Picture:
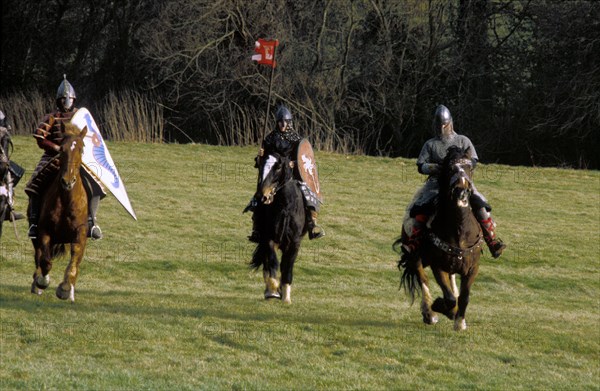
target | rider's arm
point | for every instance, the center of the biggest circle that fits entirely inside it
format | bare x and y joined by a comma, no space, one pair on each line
429,168
260,156
42,132
424,164
469,145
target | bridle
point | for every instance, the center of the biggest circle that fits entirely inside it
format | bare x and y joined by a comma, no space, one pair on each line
280,185
459,174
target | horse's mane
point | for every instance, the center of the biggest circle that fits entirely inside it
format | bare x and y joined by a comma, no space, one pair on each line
70,130
284,161
455,153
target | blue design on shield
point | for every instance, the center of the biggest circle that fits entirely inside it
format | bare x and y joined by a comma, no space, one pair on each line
100,153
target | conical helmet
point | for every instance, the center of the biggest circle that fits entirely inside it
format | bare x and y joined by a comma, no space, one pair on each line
441,118
66,91
283,114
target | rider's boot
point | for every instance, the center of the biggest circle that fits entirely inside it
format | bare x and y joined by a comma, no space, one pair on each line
16,216
488,226
13,216
34,212
314,230
255,235
94,230
251,205
413,243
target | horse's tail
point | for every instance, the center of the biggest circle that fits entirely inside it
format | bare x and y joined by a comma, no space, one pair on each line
259,257
58,250
408,266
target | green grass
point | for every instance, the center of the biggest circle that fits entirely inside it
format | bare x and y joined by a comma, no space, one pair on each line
168,302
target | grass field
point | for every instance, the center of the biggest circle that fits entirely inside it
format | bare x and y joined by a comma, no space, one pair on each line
168,302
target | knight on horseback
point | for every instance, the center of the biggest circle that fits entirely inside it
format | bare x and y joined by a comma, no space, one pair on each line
10,172
284,140
429,163
49,136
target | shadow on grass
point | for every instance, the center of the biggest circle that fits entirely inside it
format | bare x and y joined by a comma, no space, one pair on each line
128,303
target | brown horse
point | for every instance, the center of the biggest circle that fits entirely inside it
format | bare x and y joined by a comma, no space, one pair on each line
63,218
453,245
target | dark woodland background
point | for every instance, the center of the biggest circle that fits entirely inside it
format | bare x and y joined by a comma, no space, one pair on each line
521,78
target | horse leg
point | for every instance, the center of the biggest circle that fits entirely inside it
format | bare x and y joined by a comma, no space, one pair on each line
287,269
43,265
429,317
66,289
270,273
447,305
463,300
453,282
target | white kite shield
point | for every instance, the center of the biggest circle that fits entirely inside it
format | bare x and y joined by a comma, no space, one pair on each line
98,161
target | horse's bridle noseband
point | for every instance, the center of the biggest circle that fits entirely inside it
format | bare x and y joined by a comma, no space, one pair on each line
281,185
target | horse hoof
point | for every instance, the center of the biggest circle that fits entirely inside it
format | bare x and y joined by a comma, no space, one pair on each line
430,319
65,294
460,324
35,290
42,282
286,290
272,295
439,305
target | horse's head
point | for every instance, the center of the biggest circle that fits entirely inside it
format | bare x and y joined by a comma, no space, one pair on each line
275,173
71,149
457,171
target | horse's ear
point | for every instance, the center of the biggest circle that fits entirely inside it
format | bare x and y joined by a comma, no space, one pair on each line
83,132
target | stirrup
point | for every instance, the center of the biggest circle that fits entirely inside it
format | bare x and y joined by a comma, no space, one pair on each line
407,258
496,247
33,232
316,235
251,206
95,233
413,244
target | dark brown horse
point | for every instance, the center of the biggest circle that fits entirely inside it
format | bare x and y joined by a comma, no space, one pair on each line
63,218
282,221
453,245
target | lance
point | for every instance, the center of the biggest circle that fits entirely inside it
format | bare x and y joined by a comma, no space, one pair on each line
264,132
264,60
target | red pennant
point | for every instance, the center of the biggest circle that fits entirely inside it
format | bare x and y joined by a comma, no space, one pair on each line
265,52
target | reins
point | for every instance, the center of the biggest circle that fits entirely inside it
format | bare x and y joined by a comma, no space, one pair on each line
282,185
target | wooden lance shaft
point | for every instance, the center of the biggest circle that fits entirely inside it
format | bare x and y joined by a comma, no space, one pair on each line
264,132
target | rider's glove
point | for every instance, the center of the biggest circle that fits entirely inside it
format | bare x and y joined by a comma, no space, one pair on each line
429,168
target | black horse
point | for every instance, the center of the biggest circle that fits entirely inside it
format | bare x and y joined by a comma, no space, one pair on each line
453,245
282,224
